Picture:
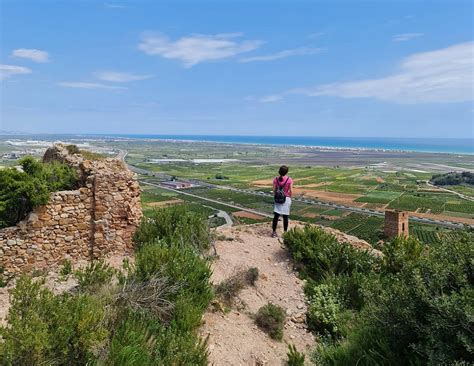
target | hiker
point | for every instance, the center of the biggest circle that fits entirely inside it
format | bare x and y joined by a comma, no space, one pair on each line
282,187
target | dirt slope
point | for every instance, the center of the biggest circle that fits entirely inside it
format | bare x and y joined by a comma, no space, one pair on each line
234,339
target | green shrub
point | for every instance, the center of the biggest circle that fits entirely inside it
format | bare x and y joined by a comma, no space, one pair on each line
420,315
401,251
43,328
140,340
319,254
66,268
183,267
326,313
271,318
20,192
295,358
96,274
175,225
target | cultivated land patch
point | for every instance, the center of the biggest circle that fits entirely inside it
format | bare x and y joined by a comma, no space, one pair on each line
248,215
379,197
345,198
172,202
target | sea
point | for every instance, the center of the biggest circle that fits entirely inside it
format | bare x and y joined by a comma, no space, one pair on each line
436,145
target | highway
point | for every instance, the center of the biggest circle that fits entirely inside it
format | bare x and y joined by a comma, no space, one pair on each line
180,191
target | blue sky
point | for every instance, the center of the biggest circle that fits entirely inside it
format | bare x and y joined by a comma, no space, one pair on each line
319,68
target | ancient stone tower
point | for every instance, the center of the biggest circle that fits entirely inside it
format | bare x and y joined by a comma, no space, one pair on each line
396,223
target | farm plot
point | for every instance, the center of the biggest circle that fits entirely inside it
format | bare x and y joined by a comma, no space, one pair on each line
422,201
379,197
465,207
362,226
426,235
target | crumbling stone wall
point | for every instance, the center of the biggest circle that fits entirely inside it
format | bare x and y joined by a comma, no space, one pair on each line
93,221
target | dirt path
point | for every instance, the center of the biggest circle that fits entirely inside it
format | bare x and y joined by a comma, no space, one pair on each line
234,339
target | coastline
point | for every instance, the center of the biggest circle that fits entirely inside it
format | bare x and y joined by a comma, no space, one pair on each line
279,141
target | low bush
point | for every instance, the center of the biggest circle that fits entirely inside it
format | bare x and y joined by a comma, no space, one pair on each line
96,274
140,340
412,306
320,254
295,358
21,191
326,313
43,328
271,318
175,225
400,252
66,268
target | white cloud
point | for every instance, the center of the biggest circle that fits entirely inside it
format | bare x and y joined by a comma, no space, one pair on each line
270,98
302,51
114,6
32,54
84,85
316,35
9,70
120,77
197,48
441,76
406,37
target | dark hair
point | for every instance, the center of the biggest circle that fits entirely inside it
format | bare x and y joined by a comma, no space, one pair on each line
282,171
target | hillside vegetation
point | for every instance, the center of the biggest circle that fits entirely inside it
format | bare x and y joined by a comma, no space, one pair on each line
453,179
21,191
412,306
145,314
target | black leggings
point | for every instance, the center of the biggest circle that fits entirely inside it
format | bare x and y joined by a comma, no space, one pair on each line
275,221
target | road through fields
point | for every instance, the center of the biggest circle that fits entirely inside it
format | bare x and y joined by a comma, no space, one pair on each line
365,211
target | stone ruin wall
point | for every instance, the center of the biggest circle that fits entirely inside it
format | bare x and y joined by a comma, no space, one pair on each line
99,218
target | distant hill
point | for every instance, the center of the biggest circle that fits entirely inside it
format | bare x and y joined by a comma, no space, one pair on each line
453,178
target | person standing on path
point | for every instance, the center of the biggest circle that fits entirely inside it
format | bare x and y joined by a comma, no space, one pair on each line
282,190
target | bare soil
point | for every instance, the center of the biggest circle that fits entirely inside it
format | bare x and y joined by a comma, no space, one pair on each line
234,338
464,220
314,185
344,198
173,202
248,215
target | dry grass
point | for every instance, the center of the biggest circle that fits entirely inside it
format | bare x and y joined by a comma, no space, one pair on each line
228,289
151,296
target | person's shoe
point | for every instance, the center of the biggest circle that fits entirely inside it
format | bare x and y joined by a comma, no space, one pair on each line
274,235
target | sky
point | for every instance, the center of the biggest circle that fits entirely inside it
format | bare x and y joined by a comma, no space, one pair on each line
298,68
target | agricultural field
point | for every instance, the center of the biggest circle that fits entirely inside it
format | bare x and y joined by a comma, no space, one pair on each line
359,178
368,186
364,227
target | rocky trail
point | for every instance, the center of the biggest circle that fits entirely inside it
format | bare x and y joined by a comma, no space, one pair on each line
234,338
